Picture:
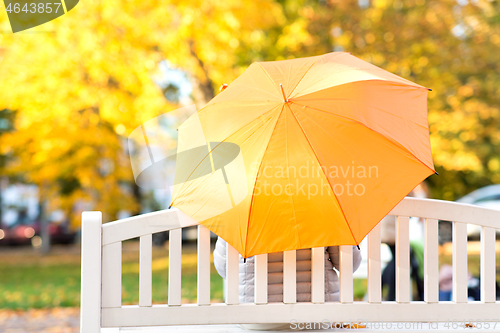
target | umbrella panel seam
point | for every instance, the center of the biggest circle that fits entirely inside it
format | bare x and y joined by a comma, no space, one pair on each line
257,177
371,129
317,159
338,142
410,84
305,73
287,164
270,78
338,99
256,119
350,155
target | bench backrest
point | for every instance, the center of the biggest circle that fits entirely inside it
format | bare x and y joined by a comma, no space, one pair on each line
101,304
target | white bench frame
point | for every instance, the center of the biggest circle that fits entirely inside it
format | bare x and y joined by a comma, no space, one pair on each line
101,275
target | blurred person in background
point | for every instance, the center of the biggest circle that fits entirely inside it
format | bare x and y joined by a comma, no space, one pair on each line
388,236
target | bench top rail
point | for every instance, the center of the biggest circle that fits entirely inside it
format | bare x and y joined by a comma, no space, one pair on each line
114,314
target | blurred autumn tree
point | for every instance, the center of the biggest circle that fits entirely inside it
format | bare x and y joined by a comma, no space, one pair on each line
451,46
81,88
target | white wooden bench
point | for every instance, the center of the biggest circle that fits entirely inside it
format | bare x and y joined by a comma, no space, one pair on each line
101,304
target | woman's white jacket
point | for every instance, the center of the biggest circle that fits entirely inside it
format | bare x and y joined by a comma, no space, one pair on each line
275,273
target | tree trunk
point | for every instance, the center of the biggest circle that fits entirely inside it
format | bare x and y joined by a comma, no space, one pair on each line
203,90
44,228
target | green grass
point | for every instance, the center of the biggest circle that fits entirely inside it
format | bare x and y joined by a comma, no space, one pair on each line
39,286
473,266
359,289
130,278
29,280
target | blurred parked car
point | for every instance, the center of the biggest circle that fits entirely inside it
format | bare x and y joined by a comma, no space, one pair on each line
29,234
17,235
488,196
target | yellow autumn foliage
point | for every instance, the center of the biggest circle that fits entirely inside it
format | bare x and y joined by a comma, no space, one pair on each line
81,83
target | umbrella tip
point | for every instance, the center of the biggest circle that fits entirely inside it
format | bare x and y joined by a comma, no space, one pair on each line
283,93
223,87
169,206
429,89
358,247
436,173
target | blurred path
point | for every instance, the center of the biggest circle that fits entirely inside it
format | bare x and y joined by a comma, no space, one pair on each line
58,320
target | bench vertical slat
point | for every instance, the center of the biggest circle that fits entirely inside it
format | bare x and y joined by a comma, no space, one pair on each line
431,262
174,267
260,288
112,275
232,275
402,259
488,264
374,266
289,277
203,265
318,275
145,270
346,285
460,262
90,311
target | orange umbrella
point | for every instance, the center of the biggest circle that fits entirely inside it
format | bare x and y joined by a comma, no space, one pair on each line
322,148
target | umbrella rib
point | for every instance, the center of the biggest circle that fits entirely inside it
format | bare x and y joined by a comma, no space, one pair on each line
351,156
337,142
371,129
173,199
317,159
251,102
342,99
257,176
305,73
287,166
369,71
269,77
216,147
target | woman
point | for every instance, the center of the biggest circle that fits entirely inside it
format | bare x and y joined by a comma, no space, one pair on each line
275,276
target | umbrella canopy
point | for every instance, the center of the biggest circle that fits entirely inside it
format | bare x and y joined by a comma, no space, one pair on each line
303,153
